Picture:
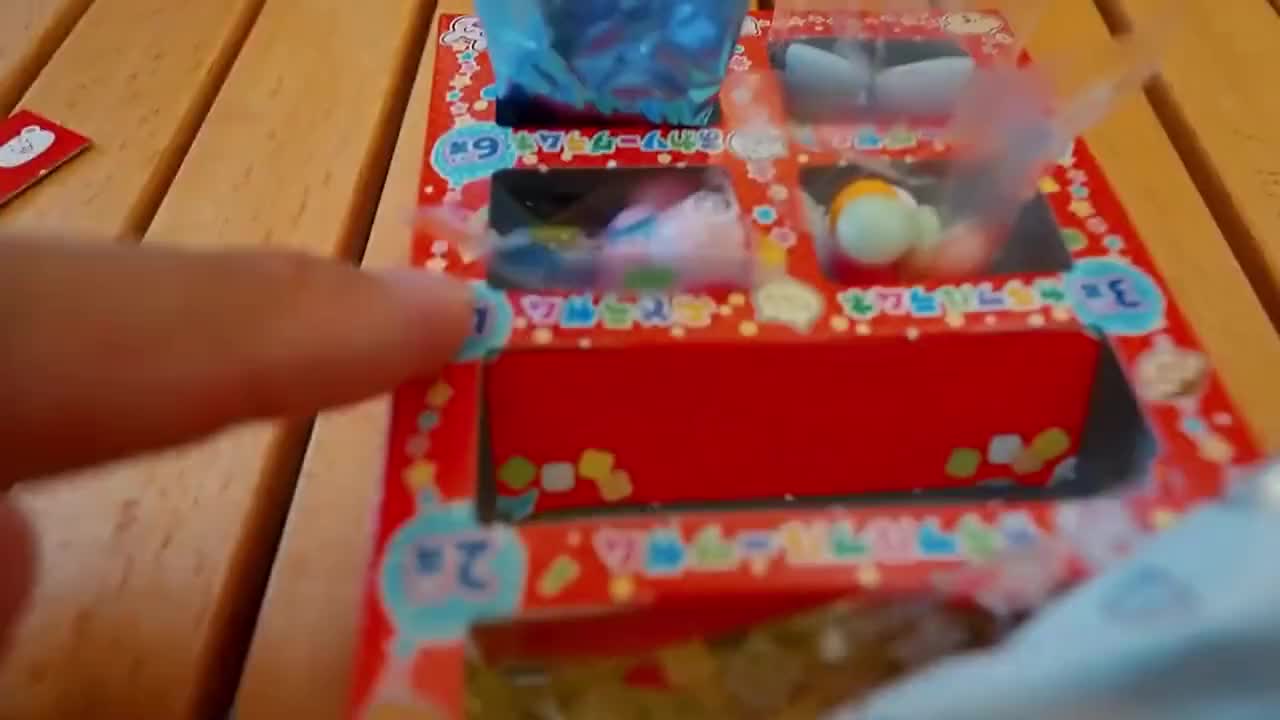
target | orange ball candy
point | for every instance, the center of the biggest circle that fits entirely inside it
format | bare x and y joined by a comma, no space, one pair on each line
862,188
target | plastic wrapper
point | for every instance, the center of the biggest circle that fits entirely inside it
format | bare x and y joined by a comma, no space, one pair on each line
855,74
655,60
647,230
1179,624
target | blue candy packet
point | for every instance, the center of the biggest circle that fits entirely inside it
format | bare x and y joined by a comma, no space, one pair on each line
661,61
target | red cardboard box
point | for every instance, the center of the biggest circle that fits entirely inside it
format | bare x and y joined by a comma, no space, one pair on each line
608,473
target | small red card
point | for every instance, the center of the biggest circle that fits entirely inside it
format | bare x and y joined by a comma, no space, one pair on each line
30,148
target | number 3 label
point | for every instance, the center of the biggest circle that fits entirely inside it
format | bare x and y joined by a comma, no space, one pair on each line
1116,297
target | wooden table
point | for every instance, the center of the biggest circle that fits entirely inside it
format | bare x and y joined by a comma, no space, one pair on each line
274,123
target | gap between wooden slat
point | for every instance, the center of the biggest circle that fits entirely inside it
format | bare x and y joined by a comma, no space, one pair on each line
152,195
1208,181
29,69
265,529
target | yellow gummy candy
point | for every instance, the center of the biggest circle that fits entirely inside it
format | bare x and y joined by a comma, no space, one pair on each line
560,574
688,664
1050,444
595,464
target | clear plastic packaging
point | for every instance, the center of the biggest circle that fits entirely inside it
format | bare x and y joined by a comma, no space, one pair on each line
853,74
591,60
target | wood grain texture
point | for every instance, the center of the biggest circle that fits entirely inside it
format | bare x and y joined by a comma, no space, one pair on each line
152,571
1178,229
1219,104
137,77
29,34
300,662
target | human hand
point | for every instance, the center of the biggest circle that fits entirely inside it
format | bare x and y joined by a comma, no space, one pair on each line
110,350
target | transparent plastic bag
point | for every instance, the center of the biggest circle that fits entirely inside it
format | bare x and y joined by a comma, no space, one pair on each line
655,60
954,74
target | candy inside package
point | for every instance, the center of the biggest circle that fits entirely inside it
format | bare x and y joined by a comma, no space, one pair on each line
855,74
1175,624
614,60
648,229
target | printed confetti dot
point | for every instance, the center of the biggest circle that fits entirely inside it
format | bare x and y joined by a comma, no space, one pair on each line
778,193
436,264
677,332
1035,320
439,247
1223,419
596,464
963,463
1215,448
542,336
869,576
542,168
1163,518
802,158
622,588
584,343
565,156
1027,463
417,446
913,333
1004,449
785,237
439,394
611,164
517,473
758,566
428,420
748,328
558,477
1096,225
529,159
1060,314
617,487
664,158
862,329
574,538
737,299
764,214
420,475
990,320
725,311
480,105
682,164
1074,239
955,320
1113,242
559,575
1082,208
1051,444
839,323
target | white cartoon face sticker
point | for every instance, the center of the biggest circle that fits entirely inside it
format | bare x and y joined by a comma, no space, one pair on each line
466,29
25,146
970,23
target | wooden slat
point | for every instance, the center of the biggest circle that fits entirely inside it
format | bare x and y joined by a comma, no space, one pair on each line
300,662
1177,227
136,76
151,571
29,34
1219,103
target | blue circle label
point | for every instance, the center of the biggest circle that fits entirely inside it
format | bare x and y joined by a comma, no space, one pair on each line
492,321
473,152
1115,297
442,571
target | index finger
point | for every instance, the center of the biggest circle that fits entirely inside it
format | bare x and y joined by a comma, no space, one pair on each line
109,350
